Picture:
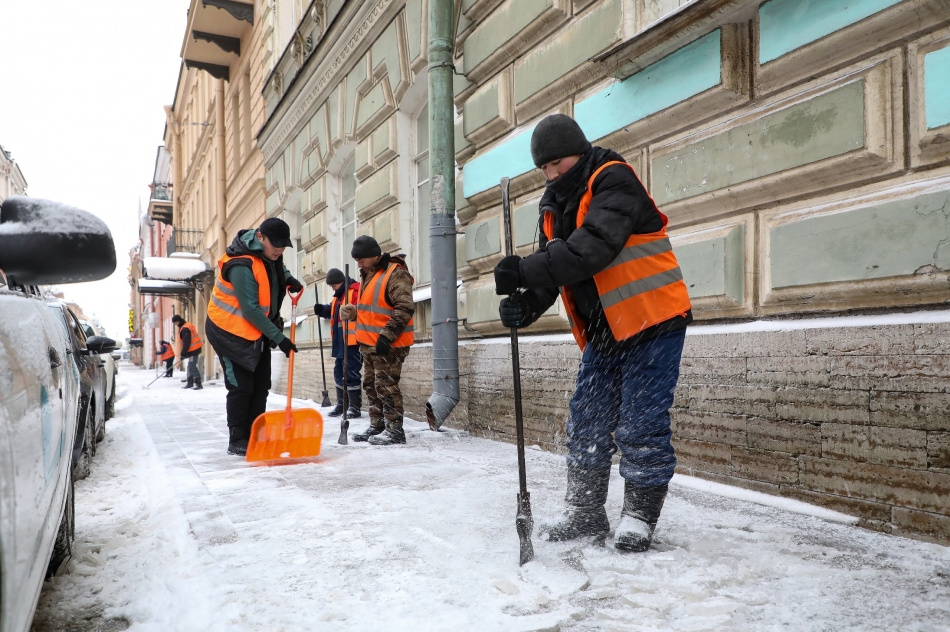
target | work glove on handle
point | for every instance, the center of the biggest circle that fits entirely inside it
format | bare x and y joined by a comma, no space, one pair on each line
287,346
518,310
318,309
348,312
293,285
383,346
508,275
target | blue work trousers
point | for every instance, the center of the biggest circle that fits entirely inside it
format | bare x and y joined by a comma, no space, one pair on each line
354,365
624,401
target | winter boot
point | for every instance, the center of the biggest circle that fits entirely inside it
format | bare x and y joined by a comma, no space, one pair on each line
237,444
641,510
394,434
585,514
356,400
338,409
198,385
372,431
191,382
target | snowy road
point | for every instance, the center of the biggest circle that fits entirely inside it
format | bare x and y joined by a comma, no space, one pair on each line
174,534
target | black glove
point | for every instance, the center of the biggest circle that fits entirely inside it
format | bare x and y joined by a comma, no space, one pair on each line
508,275
318,309
293,285
518,310
383,346
287,346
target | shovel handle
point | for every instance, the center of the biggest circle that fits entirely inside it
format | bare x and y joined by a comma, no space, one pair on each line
290,359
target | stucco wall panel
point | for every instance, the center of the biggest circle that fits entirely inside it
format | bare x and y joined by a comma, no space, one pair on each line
903,230
718,267
836,132
928,67
378,192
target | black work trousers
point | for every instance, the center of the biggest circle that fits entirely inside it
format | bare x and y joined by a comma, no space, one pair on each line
247,394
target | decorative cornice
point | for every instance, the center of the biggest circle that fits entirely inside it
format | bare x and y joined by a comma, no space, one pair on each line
301,106
238,10
225,43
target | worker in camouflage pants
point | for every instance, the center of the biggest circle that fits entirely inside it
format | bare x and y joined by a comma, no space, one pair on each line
383,315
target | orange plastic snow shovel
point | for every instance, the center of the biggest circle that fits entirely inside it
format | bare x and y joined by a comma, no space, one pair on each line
286,434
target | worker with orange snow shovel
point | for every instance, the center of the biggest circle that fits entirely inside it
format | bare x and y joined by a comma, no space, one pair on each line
343,344
244,323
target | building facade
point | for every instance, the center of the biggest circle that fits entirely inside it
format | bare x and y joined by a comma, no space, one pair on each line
800,149
12,181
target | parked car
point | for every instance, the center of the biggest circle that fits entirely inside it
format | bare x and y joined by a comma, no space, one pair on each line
110,368
86,354
41,243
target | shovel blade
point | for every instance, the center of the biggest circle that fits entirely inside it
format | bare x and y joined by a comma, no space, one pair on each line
524,524
285,434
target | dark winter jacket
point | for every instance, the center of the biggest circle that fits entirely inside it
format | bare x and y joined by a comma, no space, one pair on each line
620,207
246,353
336,330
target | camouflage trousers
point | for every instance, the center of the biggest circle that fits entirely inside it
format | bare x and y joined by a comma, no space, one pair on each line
381,375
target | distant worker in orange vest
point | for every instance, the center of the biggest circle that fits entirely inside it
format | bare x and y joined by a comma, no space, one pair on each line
384,324
166,354
603,247
343,344
191,349
244,322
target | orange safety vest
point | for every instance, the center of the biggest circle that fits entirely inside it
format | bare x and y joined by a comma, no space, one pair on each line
350,325
224,309
167,352
195,338
642,287
374,312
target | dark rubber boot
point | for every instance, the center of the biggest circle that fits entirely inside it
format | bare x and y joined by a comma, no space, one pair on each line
198,385
237,442
337,410
372,431
394,434
641,510
356,401
191,382
585,514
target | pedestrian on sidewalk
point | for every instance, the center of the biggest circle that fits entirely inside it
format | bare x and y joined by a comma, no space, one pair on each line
166,354
352,396
191,349
603,246
244,322
383,316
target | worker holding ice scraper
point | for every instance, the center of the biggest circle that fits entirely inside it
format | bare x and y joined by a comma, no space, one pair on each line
603,246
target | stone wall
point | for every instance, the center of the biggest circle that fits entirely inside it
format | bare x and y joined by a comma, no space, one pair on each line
854,418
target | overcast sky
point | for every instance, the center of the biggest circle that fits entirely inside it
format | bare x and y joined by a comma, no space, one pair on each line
83,88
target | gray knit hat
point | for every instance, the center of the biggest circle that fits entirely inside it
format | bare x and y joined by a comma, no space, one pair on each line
557,136
365,247
334,276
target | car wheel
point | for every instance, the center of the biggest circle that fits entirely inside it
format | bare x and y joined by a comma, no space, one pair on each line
101,430
63,548
84,463
110,403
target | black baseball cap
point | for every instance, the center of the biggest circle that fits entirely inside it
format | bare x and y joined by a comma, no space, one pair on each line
277,232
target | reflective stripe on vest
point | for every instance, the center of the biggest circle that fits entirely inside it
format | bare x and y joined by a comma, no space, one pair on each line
195,338
373,312
351,324
643,286
168,353
224,310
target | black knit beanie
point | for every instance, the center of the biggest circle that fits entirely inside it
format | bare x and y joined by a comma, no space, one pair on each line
334,276
365,247
557,136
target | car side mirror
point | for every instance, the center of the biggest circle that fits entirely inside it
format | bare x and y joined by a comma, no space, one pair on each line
100,344
45,243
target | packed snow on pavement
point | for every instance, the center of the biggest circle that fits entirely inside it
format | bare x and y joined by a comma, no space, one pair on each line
174,534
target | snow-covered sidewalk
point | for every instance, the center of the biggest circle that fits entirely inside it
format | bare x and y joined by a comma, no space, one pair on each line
174,534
